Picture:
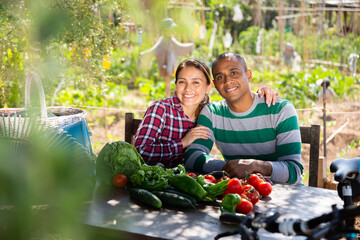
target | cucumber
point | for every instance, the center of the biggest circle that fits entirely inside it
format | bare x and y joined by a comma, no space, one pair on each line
145,197
185,195
174,200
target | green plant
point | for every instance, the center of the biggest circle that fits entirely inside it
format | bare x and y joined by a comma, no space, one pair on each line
301,88
152,89
352,146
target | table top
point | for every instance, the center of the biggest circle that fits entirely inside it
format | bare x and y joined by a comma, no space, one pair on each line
114,212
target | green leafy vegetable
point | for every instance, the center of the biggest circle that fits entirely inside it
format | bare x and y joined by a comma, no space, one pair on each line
151,177
117,158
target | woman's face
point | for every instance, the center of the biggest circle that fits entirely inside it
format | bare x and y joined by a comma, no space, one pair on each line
191,86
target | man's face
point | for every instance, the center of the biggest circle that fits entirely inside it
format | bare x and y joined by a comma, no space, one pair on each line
230,79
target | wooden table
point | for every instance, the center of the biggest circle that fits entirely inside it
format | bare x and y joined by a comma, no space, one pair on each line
114,216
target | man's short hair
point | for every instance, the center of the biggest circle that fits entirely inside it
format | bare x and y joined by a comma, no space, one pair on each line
229,55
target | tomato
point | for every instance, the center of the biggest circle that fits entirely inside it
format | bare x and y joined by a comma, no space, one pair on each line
245,206
193,175
119,180
264,188
254,180
224,178
234,186
248,187
251,193
226,192
210,178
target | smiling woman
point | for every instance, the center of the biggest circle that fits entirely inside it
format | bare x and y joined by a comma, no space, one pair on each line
191,88
168,125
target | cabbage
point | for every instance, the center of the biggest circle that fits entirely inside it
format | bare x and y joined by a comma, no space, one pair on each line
116,158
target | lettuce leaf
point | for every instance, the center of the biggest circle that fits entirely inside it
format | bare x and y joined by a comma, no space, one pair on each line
117,158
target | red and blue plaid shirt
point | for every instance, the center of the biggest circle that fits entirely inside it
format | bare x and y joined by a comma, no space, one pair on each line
158,138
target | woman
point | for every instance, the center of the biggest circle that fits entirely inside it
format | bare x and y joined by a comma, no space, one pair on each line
168,125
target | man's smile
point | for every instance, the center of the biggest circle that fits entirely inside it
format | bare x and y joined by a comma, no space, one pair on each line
231,89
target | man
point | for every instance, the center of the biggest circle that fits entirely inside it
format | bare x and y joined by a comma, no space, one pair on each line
252,137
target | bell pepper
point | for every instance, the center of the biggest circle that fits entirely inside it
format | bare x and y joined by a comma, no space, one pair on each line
229,203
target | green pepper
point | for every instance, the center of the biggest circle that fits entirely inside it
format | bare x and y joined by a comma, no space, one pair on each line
201,179
181,169
217,189
229,203
189,185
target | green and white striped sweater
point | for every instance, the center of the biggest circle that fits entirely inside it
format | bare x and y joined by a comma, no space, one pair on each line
262,132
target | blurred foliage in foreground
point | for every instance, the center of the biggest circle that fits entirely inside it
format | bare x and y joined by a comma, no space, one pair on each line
45,180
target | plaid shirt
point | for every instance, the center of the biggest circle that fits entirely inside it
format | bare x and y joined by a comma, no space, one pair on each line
158,138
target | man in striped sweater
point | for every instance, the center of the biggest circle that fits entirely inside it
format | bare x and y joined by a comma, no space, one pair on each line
252,136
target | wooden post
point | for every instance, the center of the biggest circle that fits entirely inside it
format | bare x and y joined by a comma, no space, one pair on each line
167,86
281,26
129,119
203,12
106,123
305,39
357,24
258,20
303,30
324,117
321,172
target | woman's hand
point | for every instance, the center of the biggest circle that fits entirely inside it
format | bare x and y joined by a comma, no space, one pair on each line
270,95
195,133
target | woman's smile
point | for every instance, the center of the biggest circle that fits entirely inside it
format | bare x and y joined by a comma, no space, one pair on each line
191,87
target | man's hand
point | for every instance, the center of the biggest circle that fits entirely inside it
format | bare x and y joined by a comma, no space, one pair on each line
195,133
239,168
270,95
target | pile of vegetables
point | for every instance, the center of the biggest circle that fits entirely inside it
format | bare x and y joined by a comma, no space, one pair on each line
242,194
120,165
158,187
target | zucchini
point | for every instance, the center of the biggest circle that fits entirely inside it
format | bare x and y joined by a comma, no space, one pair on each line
174,200
185,195
145,197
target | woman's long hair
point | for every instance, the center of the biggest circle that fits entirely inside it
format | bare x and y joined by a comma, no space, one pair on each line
202,67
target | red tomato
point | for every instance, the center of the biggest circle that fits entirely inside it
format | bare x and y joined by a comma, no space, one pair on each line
251,193
248,187
245,206
264,188
226,192
193,175
234,186
254,180
119,180
210,178
224,178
